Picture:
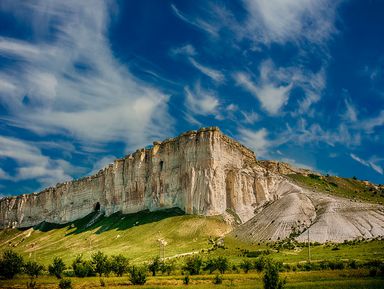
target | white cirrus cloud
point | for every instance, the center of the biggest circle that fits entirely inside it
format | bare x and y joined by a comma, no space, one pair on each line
32,164
368,163
196,22
201,102
281,21
272,96
257,140
69,81
214,74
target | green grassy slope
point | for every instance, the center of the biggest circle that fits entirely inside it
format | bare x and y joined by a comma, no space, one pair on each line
343,187
133,235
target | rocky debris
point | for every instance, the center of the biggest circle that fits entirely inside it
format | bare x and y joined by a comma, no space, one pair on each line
328,218
283,168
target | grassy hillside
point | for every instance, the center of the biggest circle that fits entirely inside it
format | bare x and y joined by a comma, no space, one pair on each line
134,235
350,188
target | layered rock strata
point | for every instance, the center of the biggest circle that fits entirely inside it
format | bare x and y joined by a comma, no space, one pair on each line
207,173
202,172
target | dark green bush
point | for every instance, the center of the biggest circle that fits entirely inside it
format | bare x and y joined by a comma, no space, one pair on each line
137,275
119,264
271,278
193,265
11,264
260,263
218,279
186,279
82,268
57,267
65,284
155,265
33,269
246,265
100,263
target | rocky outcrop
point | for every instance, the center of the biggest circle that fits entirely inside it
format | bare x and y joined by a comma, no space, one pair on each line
207,173
202,172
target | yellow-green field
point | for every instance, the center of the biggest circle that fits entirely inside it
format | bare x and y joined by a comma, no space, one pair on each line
339,279
133,235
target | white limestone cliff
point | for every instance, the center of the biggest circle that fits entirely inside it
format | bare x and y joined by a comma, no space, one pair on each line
207,173
202,172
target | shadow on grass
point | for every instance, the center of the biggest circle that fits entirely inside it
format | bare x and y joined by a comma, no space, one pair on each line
116,221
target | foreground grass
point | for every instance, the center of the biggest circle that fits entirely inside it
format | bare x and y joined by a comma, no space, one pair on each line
318,279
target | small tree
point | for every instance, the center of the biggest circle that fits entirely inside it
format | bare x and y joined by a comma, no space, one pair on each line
222,264
167,267
33,269
210,265
57,267
10,264
260,263
82,268
119,264
246,265
271,278
138,275
193,265
154,266
100,263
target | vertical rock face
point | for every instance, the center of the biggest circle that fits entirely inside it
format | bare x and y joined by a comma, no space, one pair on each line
202,172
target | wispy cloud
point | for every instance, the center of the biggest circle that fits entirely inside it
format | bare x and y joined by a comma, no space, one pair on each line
201,102
370,124
281,21
272,95
71,84
350,111
187,50
208,71
197,22
32,163
255,140
368,163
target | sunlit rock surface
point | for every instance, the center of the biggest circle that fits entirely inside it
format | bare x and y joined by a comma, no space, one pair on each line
207,173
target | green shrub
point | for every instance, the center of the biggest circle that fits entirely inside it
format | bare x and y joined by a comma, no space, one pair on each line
246,265
167,267
119,264
100,263
102,282
154,266
65,284
138,275
186,280
11,264
31,284
193,265
218,279
82,268
57,267
222,264
271,278
33,269
353,264
260,263
210,265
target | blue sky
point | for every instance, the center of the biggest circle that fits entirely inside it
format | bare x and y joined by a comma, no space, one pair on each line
85,82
